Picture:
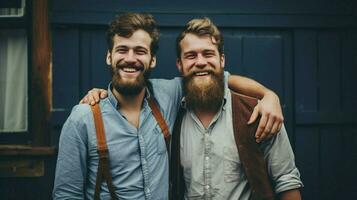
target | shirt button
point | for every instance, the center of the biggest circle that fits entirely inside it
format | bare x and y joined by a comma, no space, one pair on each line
207,187
207,158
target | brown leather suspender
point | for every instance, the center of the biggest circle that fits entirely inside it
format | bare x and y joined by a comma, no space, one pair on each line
102,148
161,121
164,129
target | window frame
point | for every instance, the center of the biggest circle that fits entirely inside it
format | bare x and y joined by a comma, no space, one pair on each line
34,20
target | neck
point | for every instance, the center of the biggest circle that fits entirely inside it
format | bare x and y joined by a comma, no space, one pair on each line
205,116
130,106
129,102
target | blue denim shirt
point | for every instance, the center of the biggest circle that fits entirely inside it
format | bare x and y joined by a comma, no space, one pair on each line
138,157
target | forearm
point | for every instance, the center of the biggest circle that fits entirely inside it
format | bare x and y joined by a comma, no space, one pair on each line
290,195
248,86
269,107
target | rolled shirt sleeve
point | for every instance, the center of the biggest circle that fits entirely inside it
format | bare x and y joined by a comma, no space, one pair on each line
281,163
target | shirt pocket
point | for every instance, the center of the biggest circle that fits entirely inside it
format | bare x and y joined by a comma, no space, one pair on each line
160,144
232,165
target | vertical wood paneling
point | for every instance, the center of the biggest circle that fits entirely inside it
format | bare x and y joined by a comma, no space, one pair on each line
348,163
325,77
233,48
305,71
287,95
329,60
263,59
65,68
348,71
85,62
330,160
166,55
307,152
98,67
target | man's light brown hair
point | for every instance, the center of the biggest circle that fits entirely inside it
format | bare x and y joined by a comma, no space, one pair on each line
126,24
201,27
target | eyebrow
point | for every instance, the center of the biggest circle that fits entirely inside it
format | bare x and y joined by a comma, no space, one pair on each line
121,46
135,48
141,48
188,52
204,51
209,51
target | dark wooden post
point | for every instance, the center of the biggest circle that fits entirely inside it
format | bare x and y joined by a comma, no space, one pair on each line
41,74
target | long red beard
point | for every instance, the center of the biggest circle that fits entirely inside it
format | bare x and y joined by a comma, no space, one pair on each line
207,96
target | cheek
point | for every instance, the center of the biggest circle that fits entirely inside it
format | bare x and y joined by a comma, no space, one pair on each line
216,63
143,59
187,65
117,57
185,68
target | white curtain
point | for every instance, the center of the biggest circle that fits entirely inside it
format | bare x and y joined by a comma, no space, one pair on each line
13,81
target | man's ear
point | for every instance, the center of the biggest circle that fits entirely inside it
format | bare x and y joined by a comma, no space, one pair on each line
153,62
179,65
223,60
109,58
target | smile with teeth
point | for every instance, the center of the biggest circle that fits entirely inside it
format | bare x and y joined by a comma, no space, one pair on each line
201,73
129,69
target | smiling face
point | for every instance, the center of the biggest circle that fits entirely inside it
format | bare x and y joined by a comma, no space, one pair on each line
202,68
200,57
131,62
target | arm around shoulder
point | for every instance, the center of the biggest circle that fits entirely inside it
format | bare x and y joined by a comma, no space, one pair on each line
269,107
247,86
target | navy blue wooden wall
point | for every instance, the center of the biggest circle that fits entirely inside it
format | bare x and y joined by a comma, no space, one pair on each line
304,50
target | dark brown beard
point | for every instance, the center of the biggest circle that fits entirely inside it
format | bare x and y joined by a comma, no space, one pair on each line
129,88
205,97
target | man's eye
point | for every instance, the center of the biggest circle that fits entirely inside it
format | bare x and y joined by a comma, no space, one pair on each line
209,54
140,52
190,56
121,50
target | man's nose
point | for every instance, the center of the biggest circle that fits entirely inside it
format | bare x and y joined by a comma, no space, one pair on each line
130,57
201,61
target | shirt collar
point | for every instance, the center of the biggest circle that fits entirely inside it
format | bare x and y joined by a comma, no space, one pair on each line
113,100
